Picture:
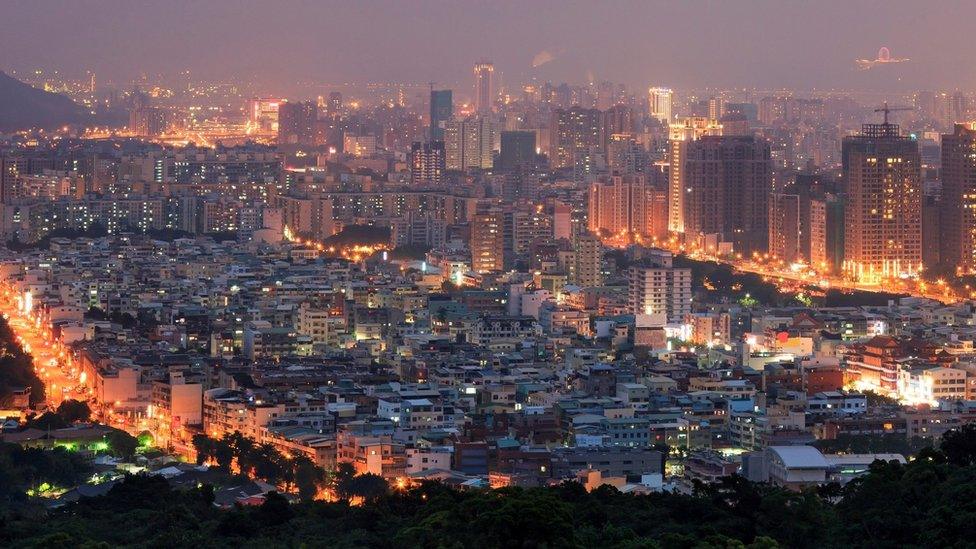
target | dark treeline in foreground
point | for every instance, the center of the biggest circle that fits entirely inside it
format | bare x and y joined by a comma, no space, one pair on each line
928,503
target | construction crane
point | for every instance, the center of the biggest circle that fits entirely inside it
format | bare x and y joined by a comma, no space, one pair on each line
885,109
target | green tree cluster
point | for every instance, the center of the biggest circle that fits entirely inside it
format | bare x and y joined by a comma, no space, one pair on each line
262,461
68,412
927,502
22,469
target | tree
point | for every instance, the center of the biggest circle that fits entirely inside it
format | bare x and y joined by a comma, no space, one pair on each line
959,445
367,486
122,444
48,421
74,411
242,449
275,510
267,463
307,476
204,447
223,454
344,472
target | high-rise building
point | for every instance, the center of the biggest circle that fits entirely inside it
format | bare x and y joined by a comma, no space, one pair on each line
727,182
484,100
469,143
529,228
883,218
517,150
562,221
680,134
960,106
487,241
657,289
625,155
147,121
335,104
625,206
659,104
427,163
262,114
308,216
618,119
441,110
716,108
296,123
587,255
798,224
819,242
786,227
573,133
958,205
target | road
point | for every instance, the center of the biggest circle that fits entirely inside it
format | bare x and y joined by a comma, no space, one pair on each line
52,363
778,272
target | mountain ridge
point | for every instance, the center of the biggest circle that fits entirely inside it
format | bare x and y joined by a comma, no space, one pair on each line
24,107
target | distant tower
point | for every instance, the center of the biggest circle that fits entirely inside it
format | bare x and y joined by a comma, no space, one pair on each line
441,110
91,86
659,103
482,86
296,123
334,107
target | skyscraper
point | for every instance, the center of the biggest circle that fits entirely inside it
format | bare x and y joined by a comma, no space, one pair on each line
623,206
727,182
469,143
959,198
680,134
441,110
517,149
798,223
147,121
296,123
625,155
483,87
574,132
883,218
617,120
786,227
487,240
659,104
427,163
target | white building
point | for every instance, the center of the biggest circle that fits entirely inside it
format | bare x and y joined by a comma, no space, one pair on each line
655,290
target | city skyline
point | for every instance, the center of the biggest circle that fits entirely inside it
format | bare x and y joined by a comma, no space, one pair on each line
433,274
699,44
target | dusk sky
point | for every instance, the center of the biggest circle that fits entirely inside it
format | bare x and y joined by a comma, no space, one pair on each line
749,43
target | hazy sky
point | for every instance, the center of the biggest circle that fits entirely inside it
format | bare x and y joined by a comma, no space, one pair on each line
776,43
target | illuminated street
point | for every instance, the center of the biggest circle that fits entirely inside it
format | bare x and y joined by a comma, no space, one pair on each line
797,277
53,365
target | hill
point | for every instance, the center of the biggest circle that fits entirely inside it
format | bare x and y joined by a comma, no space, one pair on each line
23,107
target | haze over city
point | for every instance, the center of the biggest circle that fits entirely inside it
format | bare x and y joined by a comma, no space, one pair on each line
765,44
